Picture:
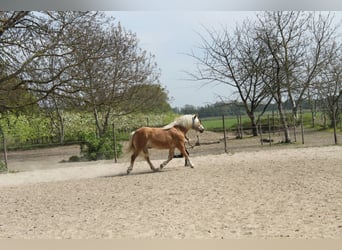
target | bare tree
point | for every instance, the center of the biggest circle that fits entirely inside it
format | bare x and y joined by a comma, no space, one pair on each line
298,45
328,85
236,60
276,57
279,34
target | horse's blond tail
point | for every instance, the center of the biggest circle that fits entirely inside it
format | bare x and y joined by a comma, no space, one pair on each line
130,144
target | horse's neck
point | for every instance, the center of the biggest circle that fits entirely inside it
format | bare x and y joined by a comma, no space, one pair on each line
184,122
182,129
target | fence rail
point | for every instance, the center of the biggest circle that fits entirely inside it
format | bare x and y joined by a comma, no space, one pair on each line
270,132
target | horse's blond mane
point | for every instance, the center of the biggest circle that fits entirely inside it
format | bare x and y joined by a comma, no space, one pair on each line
183,121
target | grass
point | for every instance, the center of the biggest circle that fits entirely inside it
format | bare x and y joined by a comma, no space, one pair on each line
215,123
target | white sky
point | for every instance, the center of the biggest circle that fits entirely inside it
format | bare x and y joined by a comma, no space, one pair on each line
167,29
170,34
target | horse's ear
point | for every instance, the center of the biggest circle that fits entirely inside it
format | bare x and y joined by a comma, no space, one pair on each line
195,115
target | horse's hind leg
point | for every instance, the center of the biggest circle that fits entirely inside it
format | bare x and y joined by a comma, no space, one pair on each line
186,155
170,157
147,158
133,157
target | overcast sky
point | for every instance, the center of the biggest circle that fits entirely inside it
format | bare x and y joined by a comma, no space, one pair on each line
169,35
168,29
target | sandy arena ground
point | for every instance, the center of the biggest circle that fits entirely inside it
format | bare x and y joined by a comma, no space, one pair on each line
293,192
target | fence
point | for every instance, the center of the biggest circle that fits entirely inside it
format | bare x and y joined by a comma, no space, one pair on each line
11,145
235,131
269,127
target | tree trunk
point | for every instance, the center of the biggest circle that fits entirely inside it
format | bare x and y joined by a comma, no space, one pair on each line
61,128
102,126
334,123
2,134
97,123
60,121
284,123
106,123
254,123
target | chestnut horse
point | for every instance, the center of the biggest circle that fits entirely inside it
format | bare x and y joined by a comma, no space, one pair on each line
169,137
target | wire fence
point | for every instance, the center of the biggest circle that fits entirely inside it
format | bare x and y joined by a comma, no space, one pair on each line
91,146
232,129
270,129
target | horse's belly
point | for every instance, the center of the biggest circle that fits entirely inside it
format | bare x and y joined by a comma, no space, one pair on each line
159,144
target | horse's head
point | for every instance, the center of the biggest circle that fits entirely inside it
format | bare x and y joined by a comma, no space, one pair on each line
196,124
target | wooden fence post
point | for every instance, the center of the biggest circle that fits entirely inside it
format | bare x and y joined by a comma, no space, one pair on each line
237,127
241,127
335,125
269,129
4,148
224,134
273,122
294,127
260,131
115,151
301,123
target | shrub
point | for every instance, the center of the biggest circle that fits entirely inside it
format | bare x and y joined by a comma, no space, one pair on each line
74,158
3,168
98,148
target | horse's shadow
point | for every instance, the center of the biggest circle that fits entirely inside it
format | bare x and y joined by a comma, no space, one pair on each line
141,172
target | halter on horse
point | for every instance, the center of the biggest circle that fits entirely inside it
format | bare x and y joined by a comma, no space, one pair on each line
170,137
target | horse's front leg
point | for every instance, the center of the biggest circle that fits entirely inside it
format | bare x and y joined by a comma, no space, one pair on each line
186,161
170,157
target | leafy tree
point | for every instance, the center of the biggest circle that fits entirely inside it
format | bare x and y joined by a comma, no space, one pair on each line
115,79
12,95
31,45
72,62
146,98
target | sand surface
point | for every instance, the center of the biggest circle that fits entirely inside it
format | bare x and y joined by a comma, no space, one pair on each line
278,193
